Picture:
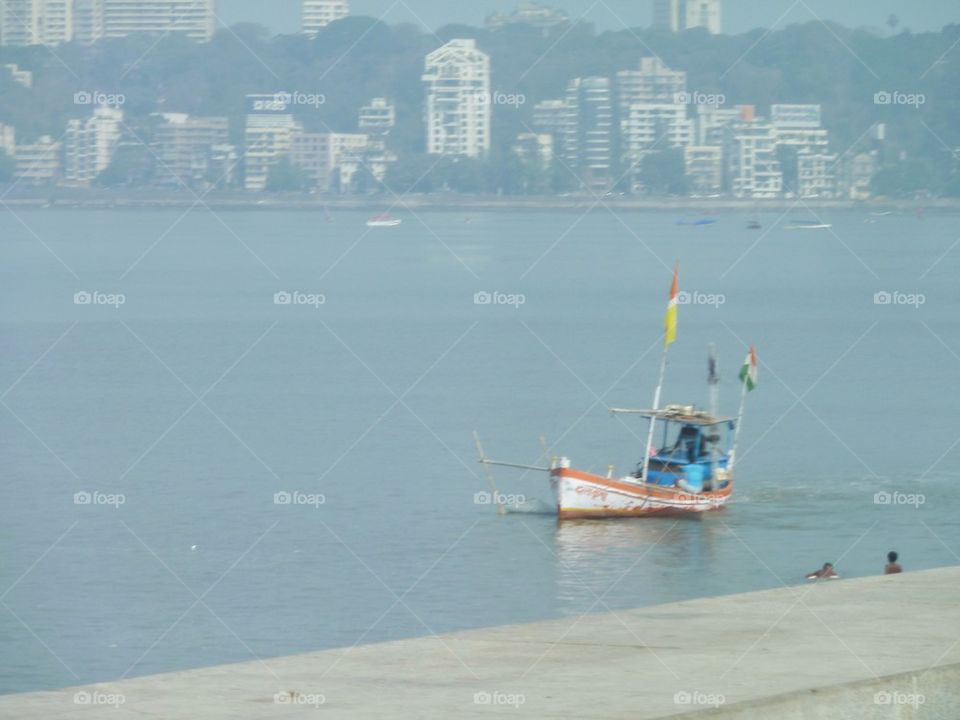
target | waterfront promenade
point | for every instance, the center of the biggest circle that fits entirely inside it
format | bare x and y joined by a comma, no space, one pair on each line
876,648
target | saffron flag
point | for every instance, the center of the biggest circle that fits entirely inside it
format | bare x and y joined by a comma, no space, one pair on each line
670,319
748,373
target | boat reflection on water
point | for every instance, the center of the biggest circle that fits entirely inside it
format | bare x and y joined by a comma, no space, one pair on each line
627,563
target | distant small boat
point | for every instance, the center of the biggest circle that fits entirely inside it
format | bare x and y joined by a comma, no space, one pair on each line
383,220
698,221
807,225
883,214
754,225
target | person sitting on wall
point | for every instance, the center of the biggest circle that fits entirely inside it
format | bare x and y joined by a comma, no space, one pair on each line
826,571
892,567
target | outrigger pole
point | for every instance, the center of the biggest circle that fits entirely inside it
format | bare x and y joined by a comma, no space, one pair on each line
748,379
670,334
489,473
487,462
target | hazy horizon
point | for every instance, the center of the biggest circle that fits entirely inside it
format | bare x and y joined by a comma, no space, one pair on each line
283,16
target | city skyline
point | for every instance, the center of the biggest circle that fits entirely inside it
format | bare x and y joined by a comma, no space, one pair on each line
645,112
633,125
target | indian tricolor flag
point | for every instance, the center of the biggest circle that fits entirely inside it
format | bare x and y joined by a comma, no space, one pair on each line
748,373
670,319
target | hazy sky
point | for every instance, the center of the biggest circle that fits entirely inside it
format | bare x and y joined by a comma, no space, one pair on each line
738,15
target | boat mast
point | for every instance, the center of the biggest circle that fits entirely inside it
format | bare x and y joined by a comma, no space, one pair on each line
670,333
653,418
736,432
713,381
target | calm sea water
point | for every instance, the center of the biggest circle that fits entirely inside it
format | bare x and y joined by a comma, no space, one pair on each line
199,398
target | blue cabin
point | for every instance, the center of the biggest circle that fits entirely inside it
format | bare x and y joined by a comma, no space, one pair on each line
692,449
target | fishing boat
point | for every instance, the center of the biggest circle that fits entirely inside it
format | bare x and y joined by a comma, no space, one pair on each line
807,225
687,465
690,471
383,220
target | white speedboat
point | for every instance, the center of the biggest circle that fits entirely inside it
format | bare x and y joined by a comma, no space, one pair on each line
383,220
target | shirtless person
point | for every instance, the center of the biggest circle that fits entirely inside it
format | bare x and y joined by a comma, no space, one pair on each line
826,571
892,567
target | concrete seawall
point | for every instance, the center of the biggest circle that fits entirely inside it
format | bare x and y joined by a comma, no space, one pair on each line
871,648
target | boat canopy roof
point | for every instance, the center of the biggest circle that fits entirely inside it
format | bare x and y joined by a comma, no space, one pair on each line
687,414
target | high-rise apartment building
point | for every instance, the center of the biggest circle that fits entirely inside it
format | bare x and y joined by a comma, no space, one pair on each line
269,136
89,145
653,109
183,147
38,163
815,174
378,117
680,15
653,82
655,126
317,14
8,140
194,18
591,149
87,21
751,158
51,22
35,22
457,79
703,165
532,14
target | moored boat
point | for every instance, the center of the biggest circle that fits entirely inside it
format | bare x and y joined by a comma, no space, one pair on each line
383,220
807,225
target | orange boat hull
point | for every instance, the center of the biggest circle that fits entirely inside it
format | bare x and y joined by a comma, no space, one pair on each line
580,494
